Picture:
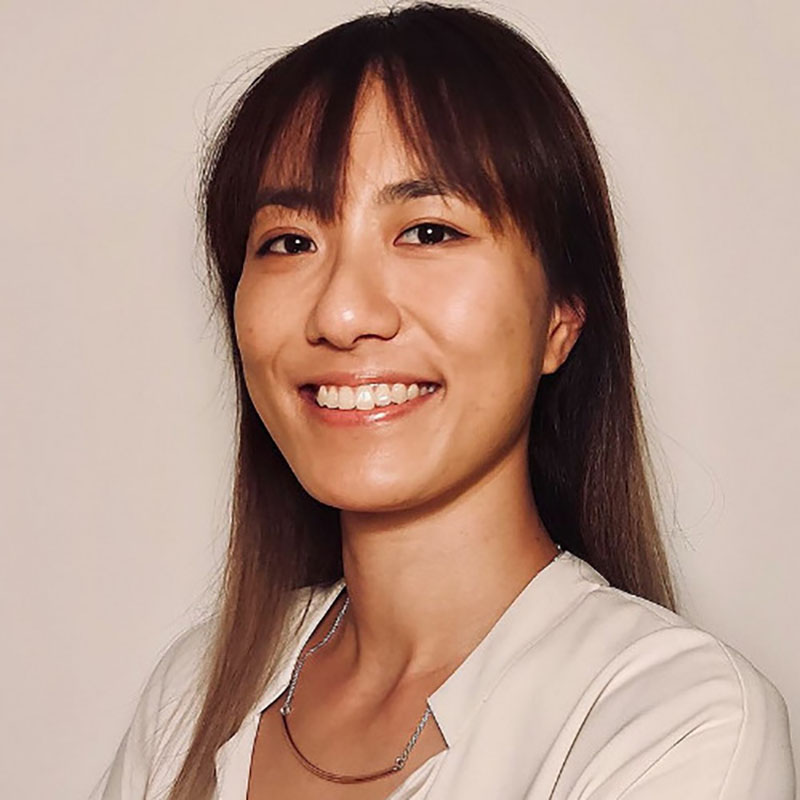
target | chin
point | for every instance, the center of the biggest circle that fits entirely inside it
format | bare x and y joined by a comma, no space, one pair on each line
366,497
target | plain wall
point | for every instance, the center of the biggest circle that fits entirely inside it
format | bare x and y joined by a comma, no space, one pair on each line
116,416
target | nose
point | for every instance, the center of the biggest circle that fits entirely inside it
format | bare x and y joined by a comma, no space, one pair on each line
353,302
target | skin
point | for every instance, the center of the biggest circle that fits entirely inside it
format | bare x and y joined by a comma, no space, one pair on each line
440,529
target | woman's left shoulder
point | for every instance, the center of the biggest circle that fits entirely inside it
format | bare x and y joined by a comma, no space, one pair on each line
632,629
653,636
690,710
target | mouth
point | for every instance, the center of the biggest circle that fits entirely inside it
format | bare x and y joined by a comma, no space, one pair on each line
367,403
367,396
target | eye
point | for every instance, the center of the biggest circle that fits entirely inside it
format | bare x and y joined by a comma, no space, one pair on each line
433,232
293,244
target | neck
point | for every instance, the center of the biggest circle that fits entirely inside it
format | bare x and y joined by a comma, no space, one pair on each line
426,586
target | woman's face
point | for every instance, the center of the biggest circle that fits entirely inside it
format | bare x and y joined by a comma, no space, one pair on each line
405,290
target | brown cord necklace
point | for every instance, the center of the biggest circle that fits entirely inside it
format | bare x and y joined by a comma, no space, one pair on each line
286,709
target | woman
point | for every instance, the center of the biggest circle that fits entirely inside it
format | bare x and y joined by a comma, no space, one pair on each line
444,578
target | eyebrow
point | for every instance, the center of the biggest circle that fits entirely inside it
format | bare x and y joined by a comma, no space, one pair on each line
302,199
410,189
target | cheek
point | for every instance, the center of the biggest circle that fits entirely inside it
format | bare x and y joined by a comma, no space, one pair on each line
242,324
255,323
258,328
492,327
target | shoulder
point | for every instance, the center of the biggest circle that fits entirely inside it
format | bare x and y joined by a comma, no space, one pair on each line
180,671
178,680
629,633
161,720
667,706
642,637
160,730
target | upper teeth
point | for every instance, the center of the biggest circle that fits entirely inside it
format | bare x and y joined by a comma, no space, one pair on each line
369,395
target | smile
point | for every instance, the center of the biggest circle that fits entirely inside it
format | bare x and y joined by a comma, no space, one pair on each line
367,396
367,403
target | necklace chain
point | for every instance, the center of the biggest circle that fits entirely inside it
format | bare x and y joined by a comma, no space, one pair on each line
286,709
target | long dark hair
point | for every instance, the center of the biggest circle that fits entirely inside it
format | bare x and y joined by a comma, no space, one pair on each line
484,111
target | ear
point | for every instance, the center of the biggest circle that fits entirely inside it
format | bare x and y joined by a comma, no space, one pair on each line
566,323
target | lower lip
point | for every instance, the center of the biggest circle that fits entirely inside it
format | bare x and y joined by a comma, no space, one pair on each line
377,416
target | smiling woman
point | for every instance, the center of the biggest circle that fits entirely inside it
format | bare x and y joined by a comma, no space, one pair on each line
408,290
442,491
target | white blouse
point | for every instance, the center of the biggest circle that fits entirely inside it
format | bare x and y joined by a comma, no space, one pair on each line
579,691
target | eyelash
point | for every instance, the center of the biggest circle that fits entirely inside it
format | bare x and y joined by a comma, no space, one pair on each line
454,234
264,249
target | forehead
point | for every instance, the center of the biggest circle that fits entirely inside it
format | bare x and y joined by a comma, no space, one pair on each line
375,150
383,152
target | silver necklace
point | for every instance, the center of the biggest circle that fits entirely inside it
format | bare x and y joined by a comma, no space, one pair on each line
286,709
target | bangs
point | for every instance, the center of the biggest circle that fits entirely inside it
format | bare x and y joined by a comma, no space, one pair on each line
481,113
448,97
310,152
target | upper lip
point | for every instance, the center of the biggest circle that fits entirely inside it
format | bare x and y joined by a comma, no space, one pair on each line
355,378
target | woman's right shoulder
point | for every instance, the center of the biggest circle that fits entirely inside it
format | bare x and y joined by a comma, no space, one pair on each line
165,713
178,667
162,718
178,670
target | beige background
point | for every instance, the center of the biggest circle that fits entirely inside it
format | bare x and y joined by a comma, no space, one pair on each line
115,423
